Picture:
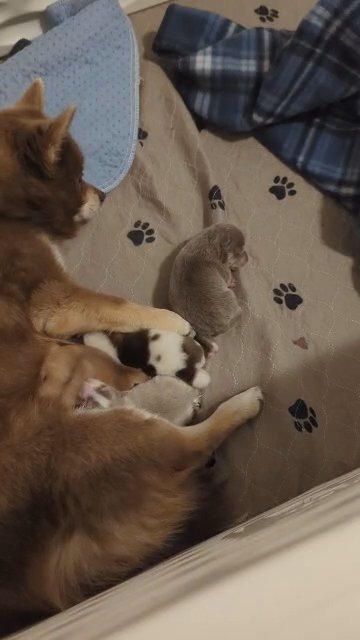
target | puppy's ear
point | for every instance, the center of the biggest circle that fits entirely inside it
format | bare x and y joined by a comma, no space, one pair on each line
33,98
243,259
40,145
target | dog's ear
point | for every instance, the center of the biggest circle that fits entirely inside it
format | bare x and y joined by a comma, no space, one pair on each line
40,146
33,96
55,131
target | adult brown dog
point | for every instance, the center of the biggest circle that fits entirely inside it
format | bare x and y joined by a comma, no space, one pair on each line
85,499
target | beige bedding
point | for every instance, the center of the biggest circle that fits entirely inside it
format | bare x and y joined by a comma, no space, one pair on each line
302,346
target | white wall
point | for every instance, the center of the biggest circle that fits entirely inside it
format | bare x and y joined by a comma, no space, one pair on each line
292,573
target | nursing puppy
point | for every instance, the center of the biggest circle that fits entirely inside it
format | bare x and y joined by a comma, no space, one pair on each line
203,279
163,396
156,353
86,498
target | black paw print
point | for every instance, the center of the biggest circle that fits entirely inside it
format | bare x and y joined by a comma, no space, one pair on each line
287,293
142,135
141,233
304,416
282,188
266,14
216,199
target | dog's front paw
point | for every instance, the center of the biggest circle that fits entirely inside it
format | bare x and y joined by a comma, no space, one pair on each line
242,407
251,401
137,377
171,321
182,326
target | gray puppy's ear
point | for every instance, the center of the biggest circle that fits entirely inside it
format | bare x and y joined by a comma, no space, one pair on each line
243,259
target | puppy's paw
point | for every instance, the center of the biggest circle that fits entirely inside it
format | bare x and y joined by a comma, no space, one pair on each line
209,346
95,395
201,379
213,348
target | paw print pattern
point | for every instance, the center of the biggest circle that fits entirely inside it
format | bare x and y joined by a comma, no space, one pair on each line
216,199
142,135
266,15
141,233
286,293
305,418
302,343
281,188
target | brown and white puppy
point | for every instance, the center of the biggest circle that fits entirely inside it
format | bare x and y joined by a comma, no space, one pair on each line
86,499
203,279
156,353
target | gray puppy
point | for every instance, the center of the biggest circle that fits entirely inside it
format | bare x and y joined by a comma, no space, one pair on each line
203,279
163,396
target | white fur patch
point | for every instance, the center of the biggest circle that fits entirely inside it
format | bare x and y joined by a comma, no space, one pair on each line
201,379
54,250
166,352
102,342
89,208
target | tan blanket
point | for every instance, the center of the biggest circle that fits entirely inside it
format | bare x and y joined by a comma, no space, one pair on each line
299,336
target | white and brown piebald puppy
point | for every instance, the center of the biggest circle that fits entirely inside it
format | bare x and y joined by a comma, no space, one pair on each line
157,353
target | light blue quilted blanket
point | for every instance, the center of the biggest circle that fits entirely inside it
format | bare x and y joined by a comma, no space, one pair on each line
88,57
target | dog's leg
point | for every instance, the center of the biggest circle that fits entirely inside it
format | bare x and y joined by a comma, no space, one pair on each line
66,367
62,375
62,309
204,438
111,526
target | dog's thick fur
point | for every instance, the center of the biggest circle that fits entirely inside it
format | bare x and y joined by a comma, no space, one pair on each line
86,499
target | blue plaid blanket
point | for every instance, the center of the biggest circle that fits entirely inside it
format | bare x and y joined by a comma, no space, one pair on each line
297,92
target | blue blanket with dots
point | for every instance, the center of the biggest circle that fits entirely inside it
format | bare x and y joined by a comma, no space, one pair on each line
88,57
